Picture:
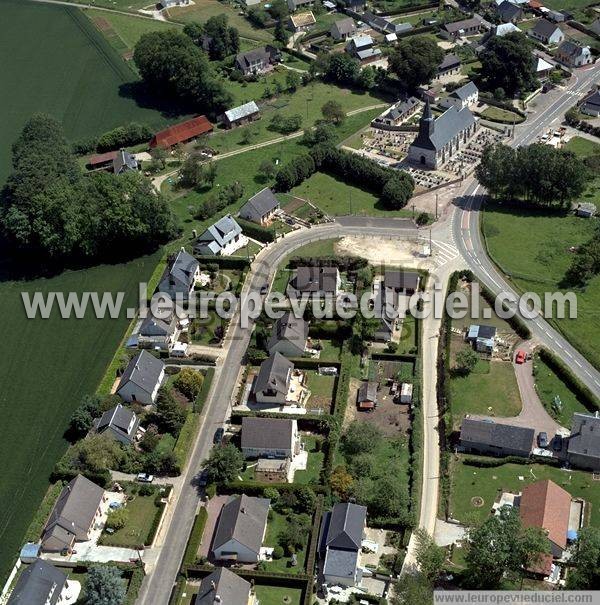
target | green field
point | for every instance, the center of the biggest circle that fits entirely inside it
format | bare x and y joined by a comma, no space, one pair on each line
61,64
47,366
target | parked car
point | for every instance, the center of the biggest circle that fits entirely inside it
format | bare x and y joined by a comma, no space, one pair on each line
203,478
521,357
218,438
557,443
264,289
145,478
542,439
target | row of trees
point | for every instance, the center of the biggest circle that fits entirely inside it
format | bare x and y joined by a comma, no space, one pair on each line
538,174
49,207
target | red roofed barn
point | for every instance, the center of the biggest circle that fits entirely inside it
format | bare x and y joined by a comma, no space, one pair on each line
181,133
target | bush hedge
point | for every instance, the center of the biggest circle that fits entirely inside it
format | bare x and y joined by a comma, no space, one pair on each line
487,462
195,539
262,234
224,262
185,440
204,391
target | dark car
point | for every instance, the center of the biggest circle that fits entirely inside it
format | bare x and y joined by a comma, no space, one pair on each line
218,438
543,439
557,443
203,478
264,289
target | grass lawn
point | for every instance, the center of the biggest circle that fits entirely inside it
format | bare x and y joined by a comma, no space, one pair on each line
549,385
497,114
315,460
487,483
330,350
275,526
204,329
322,390
277,595
68,359
408,336
336,198
57,52
532,248
492,384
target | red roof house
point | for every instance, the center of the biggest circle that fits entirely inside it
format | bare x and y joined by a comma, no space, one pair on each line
102,159
181,133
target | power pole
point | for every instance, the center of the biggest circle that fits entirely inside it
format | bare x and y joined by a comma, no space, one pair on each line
436,206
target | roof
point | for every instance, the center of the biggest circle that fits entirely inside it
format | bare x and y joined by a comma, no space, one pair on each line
340,563
243,519
464,92
448,62
491,433
402,27
316,279
73,513
303,19
543,564
153,326
367,392
593,99
361,41
267,433
120,420
481,331
508,10
182,269
102,158
39,584
124,161
391,37
144,371
401,280
464,24
397,111
232,589
220,233
505,28
345,526
585,435
571,49
544,28
178,133
291,329
542,65
237,113
344,26
260,204
274,374
548,506
445,127
367,53
252,56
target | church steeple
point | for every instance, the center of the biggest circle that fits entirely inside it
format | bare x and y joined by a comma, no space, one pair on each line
427,123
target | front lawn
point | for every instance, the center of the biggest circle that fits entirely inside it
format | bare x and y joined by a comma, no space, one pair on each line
469,482
275,526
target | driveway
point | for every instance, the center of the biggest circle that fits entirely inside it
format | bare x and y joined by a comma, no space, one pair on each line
213,508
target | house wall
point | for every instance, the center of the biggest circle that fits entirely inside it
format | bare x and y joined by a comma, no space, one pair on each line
488,450
252,452
244,554
278,399
584,462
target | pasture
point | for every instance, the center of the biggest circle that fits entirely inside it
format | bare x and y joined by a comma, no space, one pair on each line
61,64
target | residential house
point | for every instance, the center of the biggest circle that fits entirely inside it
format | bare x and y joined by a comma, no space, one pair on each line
120,423
504,28
124,162
76,512
261,207
272,385
272,470
547,33
465,96
289,336
270,438
545,505
591,105
385,26
222,238
240,530
180,276
343,29
461,29
509,12
181,133
449,66
366,398
440,138
257,60
389,306
586,210
397,113
158,334
583,450
342,533
294,5
556,16
244,114
314,282
542,67
41,584
301,22
225,587
482,338
362,47
494,439
573,55
141,379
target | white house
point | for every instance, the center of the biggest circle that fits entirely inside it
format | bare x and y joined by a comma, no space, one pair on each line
142,378
465,96
574,55
222,238
547,33
270,438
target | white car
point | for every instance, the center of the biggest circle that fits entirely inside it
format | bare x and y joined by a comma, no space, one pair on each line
145,478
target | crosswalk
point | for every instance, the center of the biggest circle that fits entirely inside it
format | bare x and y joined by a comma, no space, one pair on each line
442,252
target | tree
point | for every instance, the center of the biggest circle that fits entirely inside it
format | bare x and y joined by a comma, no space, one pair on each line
333,112
360,438
83,417
430,556
341,481
169,414
267,169
189,382
508,63
224,463
192,173
117,519
367,78
210,174
585,264
96,454
466,360
340,67
280,33
390,499
151,439
104,586
221,39
292,80
159,155
415,61
293,535
585,573
305,500
412,589
397,191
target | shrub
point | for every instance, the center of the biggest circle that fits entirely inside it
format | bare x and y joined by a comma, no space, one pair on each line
277,552
193,544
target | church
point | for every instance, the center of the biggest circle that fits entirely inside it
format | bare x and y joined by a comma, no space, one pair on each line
440,138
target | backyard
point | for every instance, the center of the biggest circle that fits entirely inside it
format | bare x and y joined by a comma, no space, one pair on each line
276,526
313,444
322,390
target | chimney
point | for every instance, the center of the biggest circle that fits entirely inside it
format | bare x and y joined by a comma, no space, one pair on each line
217,598
213,586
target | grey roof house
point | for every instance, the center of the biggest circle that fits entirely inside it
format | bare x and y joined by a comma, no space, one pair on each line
124,162
39,584
289,336
222,238
76,511
362,47
240,530
273,381
269,438
343,29
450,64
574,55
142,378
257,60
340,542
314,282
546,32
583,450
248,112
394,284
591,105
261,207
397,113
509,12
180,275
157,334
462,97
223,586
465,27
494,439
120,423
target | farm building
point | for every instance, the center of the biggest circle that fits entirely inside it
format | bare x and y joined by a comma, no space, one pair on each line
362,47
397,113
116,162
181,133
244,114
